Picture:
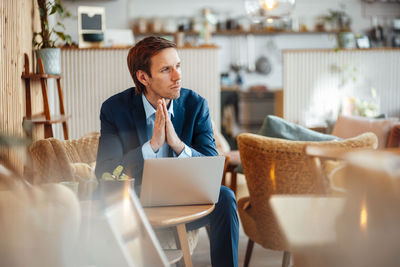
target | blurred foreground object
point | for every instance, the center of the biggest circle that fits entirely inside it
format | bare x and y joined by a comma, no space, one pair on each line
360,229
39,226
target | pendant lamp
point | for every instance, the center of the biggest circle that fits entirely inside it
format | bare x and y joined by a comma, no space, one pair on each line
259,10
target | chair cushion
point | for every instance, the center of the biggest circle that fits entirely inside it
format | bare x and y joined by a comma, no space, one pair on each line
276,127
279,128
347,127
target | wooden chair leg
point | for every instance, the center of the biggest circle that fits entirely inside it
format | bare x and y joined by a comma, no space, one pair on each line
48,131
286,259
249,250
234,182
184,245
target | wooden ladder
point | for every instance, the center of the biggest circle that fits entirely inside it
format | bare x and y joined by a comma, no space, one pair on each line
45,117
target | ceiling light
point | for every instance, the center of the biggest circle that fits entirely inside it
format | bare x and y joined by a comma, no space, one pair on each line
259,10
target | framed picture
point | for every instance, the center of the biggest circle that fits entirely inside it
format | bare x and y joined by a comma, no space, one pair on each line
91,26
363,42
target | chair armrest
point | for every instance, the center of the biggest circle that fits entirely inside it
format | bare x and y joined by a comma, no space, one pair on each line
394,137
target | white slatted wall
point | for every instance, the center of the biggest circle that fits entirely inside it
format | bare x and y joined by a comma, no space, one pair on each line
315,81
90,76
200,73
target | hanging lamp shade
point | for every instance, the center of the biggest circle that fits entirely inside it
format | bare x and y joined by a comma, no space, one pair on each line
261,9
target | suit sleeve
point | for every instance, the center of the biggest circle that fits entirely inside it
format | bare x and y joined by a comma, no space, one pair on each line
203,143
110,151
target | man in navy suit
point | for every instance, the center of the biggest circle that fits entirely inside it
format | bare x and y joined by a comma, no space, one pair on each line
158,118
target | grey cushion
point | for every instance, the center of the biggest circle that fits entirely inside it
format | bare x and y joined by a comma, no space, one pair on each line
279,128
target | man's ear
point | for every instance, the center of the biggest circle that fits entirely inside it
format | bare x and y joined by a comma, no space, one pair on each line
143,77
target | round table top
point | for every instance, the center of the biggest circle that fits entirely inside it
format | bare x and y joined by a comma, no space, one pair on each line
174,215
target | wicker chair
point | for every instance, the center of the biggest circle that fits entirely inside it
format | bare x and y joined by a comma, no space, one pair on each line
55,160
277,166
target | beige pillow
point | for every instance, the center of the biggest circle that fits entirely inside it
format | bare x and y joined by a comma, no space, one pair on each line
347,127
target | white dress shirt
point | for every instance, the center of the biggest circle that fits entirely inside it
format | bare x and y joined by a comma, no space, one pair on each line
147,151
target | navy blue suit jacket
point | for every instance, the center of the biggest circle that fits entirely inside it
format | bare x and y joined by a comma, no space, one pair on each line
123,131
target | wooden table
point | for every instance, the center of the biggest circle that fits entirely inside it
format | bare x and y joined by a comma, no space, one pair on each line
178,216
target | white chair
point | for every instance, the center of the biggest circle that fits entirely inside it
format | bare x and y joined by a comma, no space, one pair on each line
134,234
119,234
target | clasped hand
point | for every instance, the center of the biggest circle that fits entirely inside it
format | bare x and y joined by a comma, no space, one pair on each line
164,130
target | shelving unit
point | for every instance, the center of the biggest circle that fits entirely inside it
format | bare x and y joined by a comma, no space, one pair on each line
237,32
44,118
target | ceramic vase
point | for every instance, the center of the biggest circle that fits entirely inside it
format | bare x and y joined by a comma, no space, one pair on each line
51,58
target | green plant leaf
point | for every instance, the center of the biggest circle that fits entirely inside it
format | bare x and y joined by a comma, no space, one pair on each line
41,12
60,35
67,14
60,25
107,176
68,39
118,170
53,10
124,177
59,8
63,36
49,8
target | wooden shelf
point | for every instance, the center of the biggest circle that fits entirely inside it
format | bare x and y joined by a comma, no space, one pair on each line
44,118
239,32
164,33
35,76
266,32
40,119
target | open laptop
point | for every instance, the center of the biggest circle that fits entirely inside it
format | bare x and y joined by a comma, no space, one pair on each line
181,181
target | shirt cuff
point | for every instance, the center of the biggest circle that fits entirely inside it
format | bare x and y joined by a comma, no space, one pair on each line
186,152
147,151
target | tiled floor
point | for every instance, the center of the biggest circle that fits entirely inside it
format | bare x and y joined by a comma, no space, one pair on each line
261,257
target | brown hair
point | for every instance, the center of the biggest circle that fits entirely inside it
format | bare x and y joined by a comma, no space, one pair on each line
139,57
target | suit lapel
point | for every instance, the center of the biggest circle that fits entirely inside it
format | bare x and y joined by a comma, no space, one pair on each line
139,118
177,120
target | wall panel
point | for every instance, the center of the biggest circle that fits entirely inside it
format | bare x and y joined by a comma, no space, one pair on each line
16,27
90,76
316,81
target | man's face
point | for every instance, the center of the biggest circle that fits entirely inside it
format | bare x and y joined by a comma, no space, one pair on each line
165,80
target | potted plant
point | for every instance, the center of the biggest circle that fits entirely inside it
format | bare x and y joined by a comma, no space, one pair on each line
45,41
116,183
338,20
